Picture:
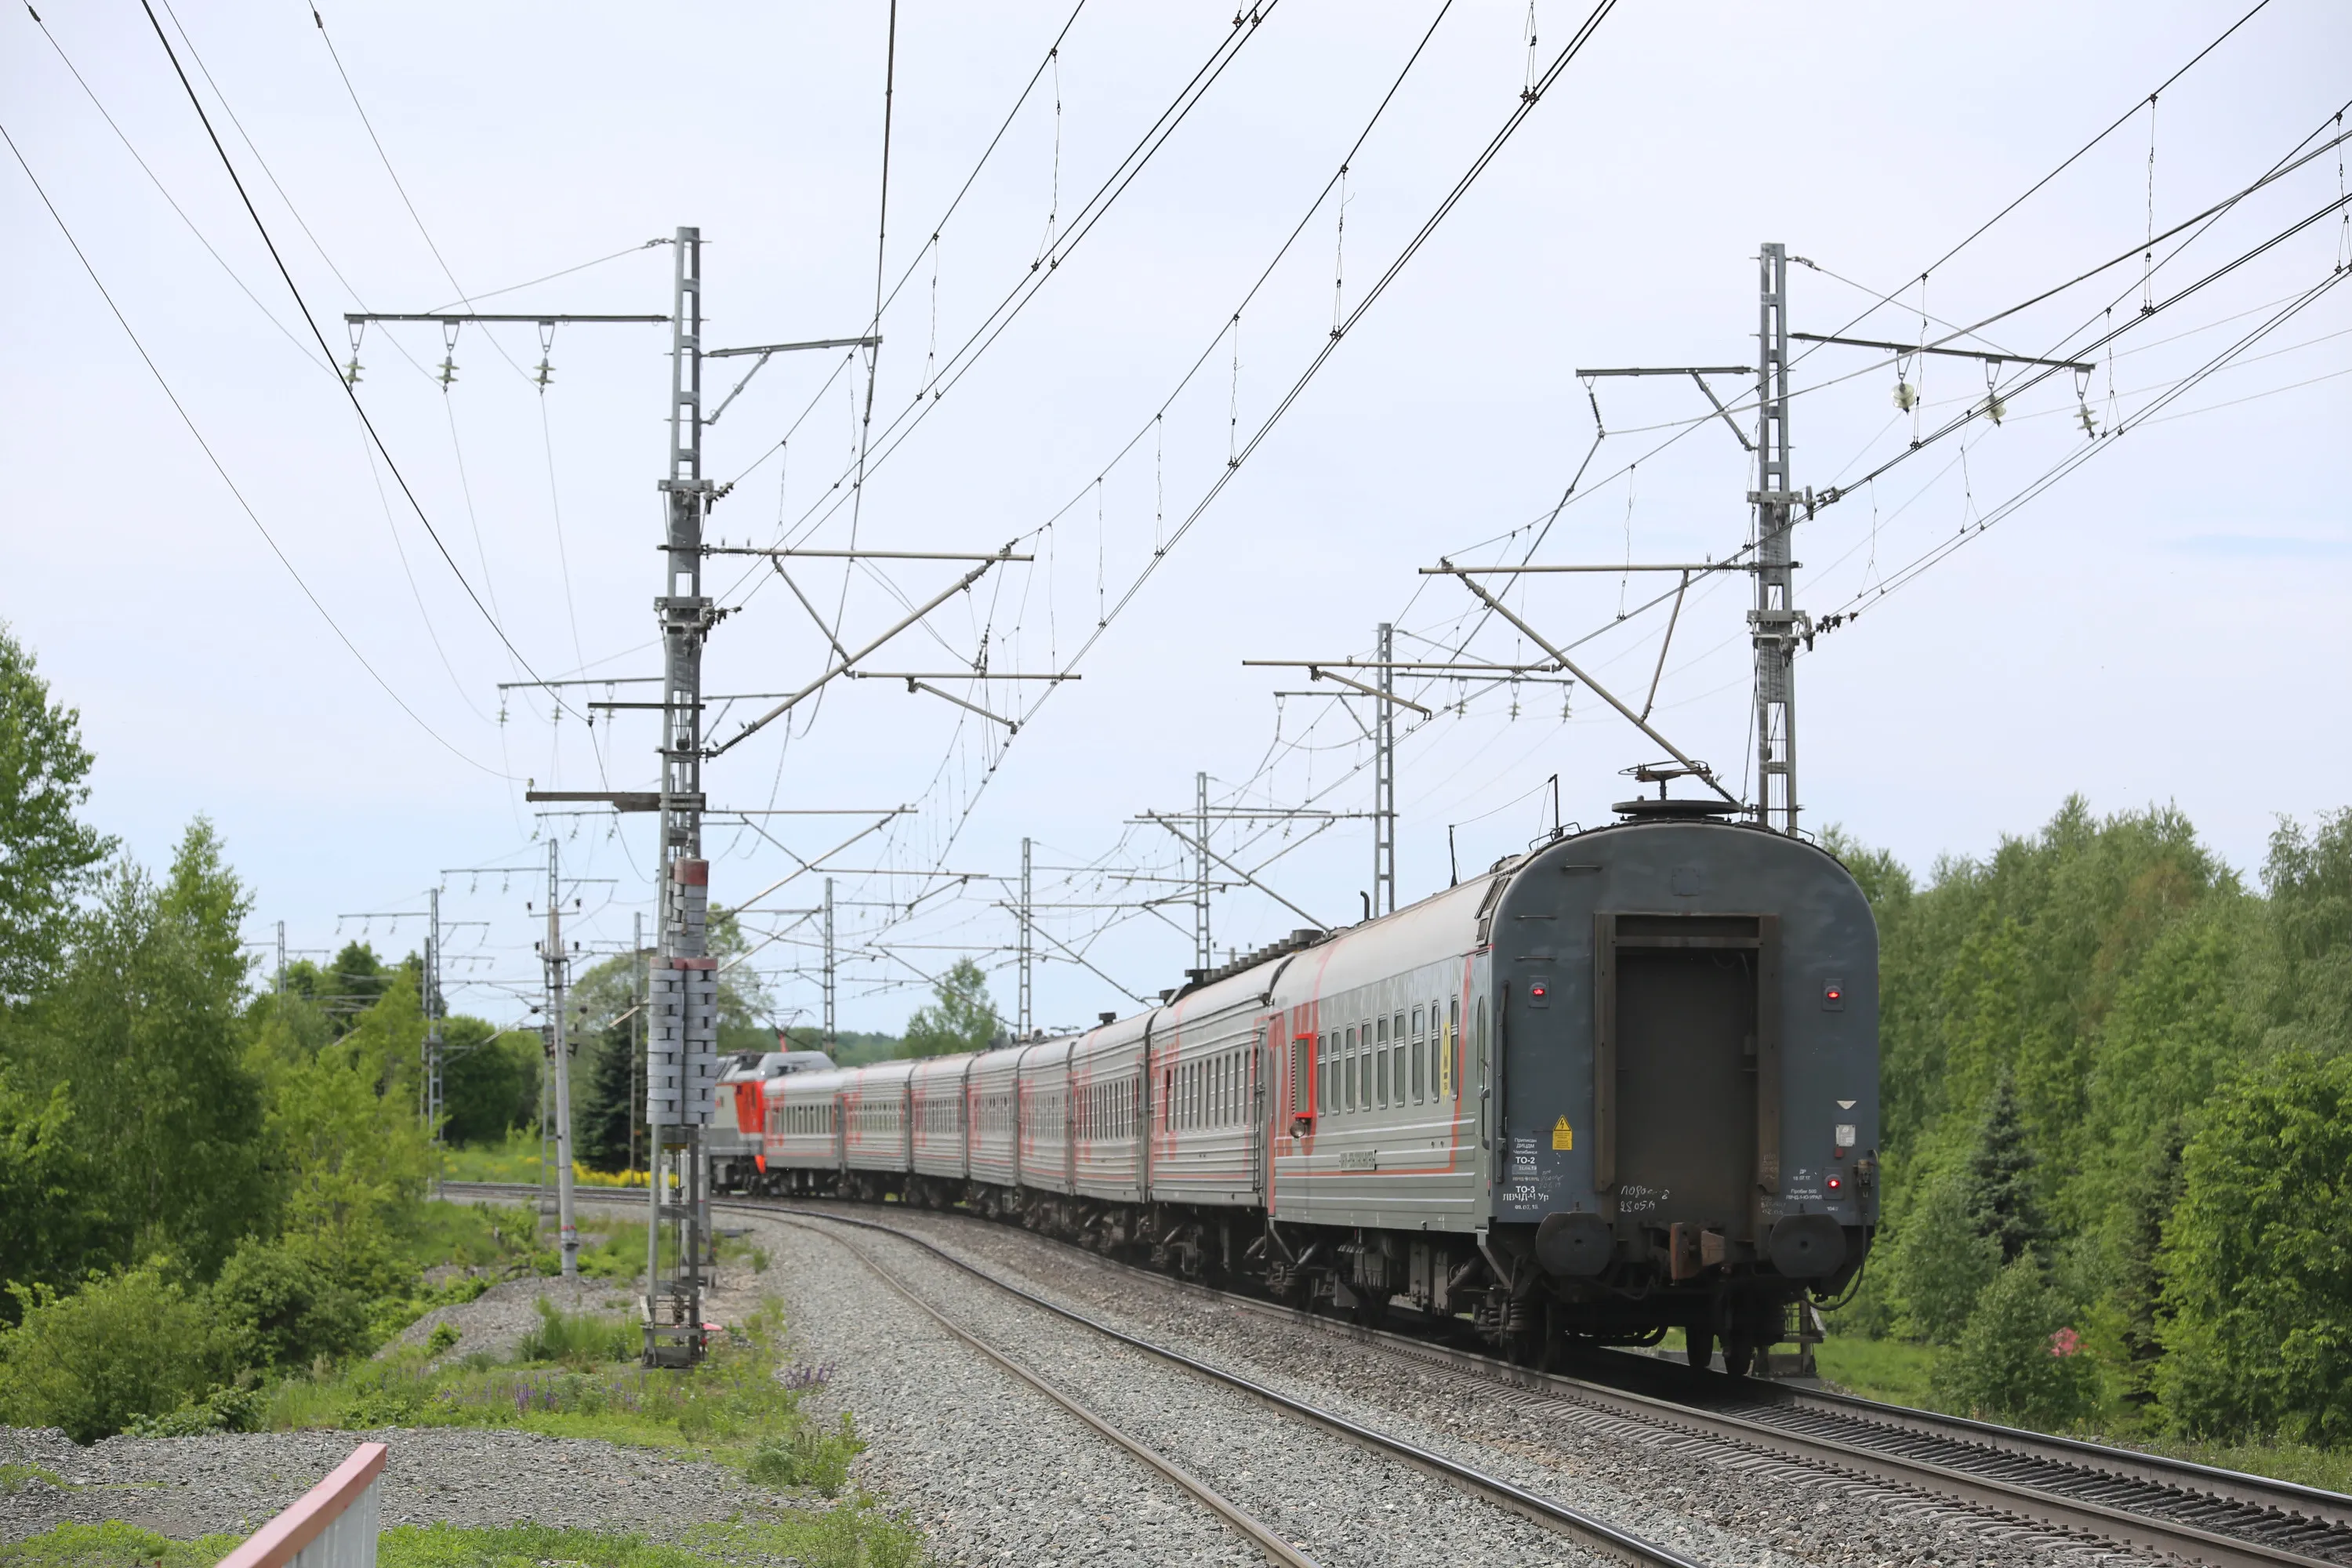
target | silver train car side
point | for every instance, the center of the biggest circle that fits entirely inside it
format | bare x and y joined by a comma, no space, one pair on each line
1626,1082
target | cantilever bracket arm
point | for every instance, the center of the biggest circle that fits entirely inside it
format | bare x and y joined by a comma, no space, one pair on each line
1737,433
1697,373
794,701
1317,672
1012,726
1195,844
1697,768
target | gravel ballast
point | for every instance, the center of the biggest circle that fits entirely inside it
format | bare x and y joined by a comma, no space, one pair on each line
1719,1502
188,1487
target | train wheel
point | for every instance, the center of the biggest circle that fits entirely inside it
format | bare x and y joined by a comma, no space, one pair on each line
1698,1346
1738,1355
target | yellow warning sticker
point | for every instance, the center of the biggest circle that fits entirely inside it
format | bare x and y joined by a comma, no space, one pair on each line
1563,1136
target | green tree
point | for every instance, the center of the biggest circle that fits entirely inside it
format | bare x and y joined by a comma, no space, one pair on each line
489,1079
43,1232
959,1017
287,1306
2001,1202
355,1152
2257,1289
1943,1262
46,854
143,1028
2309,878
2018,1360
607,1134
2147,1203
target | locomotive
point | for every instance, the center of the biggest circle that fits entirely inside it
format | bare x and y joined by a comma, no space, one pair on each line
1623,1083
735,1143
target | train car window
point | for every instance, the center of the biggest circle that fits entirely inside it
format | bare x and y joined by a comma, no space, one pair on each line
1381,1064
1322,1101
1348,1072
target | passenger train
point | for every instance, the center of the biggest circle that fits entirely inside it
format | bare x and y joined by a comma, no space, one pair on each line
1624,1082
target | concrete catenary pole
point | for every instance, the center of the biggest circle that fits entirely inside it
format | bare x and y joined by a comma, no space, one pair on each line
559,1056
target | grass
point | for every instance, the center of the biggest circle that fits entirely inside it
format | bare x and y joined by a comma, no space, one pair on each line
576,1375
112,1545
518,1159
1892,1372
440,1234
15,1478
853,1534
1896,1371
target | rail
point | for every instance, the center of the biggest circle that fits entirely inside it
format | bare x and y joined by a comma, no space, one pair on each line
2225,1519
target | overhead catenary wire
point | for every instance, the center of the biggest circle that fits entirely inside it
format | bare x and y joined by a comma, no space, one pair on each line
229,166
211,457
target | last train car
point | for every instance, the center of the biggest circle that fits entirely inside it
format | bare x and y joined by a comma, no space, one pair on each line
1626,1082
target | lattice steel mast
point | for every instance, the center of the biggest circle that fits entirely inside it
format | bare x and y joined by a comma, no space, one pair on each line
1775,625
681,1045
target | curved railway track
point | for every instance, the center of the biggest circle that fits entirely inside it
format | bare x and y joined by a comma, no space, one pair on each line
2195,1512
1254,1530
2192,1511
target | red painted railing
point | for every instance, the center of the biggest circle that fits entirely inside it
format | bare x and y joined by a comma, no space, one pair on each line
332,1526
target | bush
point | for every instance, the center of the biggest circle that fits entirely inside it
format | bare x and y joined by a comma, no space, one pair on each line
124,1346
808,1457
2018,1360
289,1309
238,1409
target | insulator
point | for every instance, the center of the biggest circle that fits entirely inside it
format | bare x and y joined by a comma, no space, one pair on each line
351,372
1906,397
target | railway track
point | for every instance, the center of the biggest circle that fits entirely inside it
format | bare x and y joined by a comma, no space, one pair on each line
1250,1527
1575,1523
2197,1513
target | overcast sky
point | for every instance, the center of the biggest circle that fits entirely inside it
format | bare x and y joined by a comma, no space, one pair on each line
2164,623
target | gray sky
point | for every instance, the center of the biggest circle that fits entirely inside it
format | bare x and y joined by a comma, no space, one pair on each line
2163,625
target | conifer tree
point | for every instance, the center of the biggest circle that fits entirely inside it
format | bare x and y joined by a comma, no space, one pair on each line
2000,1193
604,1118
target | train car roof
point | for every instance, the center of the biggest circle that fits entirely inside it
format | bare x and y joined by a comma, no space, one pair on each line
927,1068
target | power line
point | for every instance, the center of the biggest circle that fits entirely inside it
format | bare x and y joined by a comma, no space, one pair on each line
304,307
180,409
